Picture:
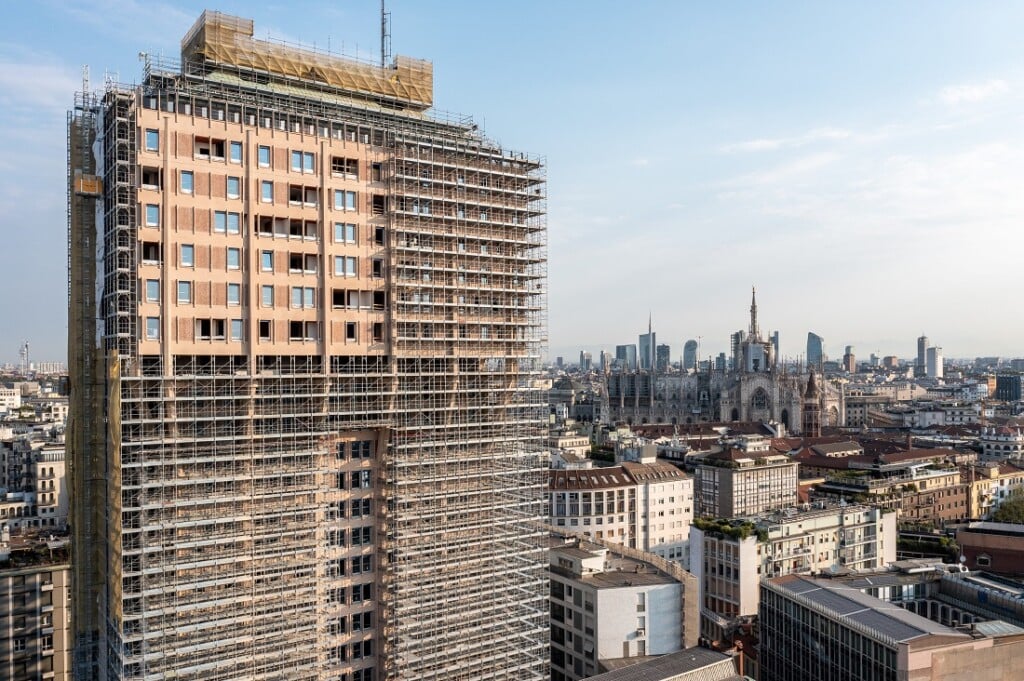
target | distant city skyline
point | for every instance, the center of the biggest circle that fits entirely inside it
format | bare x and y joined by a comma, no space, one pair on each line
860,164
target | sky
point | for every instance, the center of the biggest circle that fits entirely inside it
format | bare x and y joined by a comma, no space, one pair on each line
861,164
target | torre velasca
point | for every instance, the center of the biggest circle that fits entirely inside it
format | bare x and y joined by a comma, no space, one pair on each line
306,316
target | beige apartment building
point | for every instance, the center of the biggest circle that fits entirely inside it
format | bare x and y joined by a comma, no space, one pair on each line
306,318
35,614
734,483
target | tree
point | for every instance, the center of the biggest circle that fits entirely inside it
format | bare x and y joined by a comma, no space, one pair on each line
1010,511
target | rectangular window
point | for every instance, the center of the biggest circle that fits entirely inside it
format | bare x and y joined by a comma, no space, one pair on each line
267,296
344,233
234,187
234,294
344,200
188,255
308,297
152,215
351,331
236,329
267,191
187,182
220,221
152,140
267,261
344,266
153,290
234,258
264,156
348,167
150,253
184,291
152,328
296,296
265,327
234,223
303,162
236,152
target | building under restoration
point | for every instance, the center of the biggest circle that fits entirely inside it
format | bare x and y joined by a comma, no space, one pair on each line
305,318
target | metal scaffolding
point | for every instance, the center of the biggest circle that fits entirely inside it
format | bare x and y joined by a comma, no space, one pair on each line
268,514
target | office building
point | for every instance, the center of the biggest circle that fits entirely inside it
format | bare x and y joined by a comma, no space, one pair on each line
914,622
586,360
648,343
934,368
815,351
305,329
849,361
1009,387
625,356
690,355
662,357
734,483
921,367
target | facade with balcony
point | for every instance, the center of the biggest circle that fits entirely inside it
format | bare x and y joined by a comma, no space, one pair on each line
729,558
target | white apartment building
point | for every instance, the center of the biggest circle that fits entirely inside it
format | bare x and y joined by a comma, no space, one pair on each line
609,602
10,399
647,506
729,558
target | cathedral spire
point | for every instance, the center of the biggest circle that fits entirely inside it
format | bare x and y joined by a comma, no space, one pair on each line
754,334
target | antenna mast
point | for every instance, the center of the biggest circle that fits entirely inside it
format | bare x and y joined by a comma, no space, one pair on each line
385,36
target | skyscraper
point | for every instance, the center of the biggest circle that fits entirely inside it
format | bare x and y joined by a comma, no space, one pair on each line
663,357
815,350
305,322
690,355
921,368
849,360
648,343
625,355
934,362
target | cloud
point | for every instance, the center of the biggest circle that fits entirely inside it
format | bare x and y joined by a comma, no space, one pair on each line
772,144
973,92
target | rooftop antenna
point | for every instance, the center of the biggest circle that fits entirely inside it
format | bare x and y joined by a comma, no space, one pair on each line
385,36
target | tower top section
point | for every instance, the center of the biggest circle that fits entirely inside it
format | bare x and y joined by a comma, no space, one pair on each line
754,333
226,40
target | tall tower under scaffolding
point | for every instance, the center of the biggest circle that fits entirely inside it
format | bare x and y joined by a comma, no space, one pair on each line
306,314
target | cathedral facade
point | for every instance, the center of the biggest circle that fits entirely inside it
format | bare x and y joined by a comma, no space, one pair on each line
754,389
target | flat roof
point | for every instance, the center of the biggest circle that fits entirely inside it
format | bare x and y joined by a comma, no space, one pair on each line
714,666
849,604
